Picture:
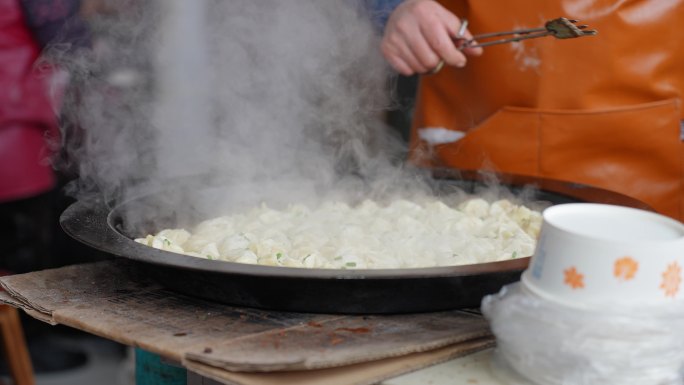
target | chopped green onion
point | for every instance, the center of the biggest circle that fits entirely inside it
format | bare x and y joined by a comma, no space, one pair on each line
279,255
338,258
350,264
167,242
515,254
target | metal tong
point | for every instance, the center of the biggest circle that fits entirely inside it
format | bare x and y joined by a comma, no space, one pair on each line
560,28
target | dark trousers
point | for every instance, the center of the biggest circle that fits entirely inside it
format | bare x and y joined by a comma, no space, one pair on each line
27,228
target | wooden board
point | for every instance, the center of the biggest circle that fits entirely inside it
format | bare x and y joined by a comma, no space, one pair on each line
365,373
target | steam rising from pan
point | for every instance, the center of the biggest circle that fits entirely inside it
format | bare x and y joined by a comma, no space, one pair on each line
283,96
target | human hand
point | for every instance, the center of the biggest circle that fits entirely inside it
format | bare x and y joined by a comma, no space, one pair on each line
420,34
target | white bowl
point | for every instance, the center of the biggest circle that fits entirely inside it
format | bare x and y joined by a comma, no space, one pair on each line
592,255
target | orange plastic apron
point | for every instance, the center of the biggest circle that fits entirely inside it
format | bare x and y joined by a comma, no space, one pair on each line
602,110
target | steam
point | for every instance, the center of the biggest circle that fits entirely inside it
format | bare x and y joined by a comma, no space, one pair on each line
182,111
280,100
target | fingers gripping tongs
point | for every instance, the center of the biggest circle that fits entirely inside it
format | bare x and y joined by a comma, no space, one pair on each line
560,28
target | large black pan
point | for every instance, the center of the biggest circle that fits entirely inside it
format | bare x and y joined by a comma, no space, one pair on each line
321,290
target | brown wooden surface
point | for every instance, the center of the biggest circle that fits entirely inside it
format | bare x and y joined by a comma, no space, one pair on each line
364,373
340,340
14,347
112,300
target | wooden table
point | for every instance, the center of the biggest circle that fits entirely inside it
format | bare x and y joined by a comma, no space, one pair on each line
250,346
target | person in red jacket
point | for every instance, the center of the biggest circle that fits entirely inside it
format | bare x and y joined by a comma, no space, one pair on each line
27,115
29,132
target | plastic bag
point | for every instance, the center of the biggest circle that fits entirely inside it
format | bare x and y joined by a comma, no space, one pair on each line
546,343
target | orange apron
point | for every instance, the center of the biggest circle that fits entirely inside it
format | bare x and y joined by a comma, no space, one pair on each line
601,110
